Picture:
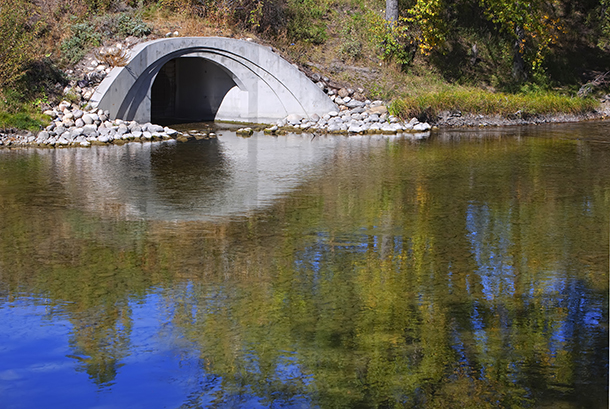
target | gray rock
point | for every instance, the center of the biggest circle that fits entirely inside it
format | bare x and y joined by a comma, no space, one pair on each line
122,129
136,134
172,132
354,104
74,132
388,128
77,113
334,128
422,126
79,123
85,144
88,119
294,119
67,123
354,128
147,135
90,131
103,138
155,128
62,141
414,121
42,136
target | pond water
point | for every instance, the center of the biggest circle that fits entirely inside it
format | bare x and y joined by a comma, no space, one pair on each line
465,270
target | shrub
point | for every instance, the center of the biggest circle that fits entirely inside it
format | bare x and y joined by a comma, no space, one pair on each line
123,25
83,37
306,20
16,37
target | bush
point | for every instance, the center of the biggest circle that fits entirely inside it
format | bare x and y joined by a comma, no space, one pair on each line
306,20
16,37
123,25
83,37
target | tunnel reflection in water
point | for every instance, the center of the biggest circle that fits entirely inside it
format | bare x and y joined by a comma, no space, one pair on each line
189,89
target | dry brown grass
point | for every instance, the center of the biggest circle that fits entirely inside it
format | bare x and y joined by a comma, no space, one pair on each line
113,57
189,24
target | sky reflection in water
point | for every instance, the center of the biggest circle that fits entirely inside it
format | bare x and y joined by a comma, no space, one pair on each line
470,270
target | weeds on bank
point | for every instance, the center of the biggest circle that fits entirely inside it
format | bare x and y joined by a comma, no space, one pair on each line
477,101
17,114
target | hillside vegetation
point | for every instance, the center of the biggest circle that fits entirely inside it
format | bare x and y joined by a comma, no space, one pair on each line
473,56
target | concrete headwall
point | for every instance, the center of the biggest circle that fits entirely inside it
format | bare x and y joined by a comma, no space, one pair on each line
211,78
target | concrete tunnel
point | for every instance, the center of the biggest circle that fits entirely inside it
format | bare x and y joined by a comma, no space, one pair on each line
189,89
192,79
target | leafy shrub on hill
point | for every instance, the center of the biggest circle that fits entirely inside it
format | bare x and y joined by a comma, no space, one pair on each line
123,25
83,37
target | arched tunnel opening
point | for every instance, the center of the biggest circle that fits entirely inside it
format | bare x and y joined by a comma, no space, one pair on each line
189,89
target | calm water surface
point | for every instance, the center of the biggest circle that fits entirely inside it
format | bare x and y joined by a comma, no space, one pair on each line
467,270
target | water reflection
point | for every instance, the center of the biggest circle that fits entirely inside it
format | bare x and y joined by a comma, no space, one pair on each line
468,270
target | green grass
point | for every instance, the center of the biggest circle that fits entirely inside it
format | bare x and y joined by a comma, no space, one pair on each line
477,101
29,119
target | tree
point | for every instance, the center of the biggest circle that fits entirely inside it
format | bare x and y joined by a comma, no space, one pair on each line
391,10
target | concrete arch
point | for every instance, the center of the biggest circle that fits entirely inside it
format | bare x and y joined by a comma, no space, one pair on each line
266,87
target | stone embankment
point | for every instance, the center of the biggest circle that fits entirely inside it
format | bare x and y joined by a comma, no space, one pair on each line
353,117
73,126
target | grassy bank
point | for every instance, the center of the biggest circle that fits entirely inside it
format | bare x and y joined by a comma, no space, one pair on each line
430,61
477,101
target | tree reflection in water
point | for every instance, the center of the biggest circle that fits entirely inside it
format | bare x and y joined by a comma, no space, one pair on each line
439,274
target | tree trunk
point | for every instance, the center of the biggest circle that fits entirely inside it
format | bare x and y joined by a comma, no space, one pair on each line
519,73
391,10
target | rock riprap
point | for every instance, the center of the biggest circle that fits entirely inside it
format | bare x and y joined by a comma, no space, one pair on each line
353,117
72,126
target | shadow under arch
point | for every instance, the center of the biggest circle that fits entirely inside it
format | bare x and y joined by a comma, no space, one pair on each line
189,89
